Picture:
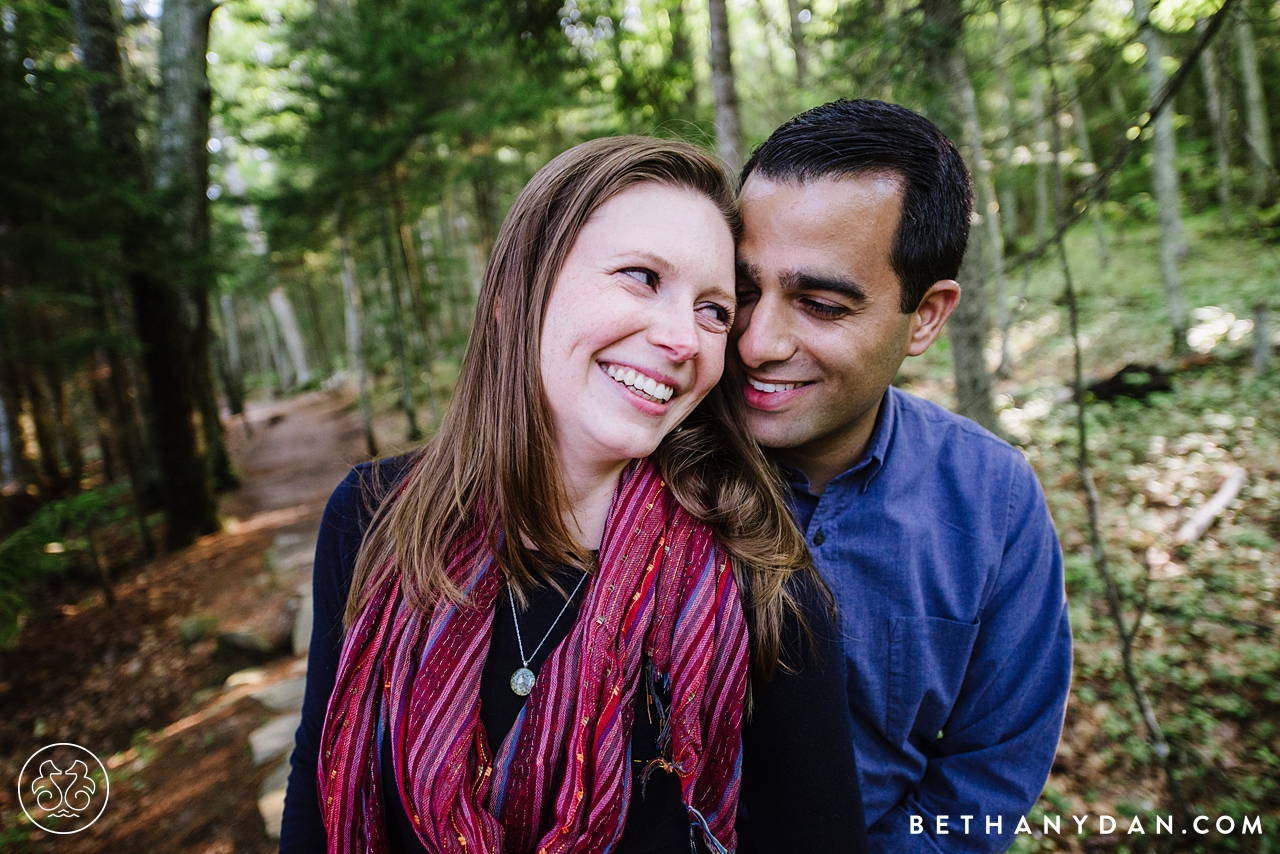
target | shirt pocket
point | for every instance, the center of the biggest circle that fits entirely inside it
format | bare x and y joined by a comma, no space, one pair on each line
928,657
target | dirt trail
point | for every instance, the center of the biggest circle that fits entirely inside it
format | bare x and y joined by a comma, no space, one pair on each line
154,706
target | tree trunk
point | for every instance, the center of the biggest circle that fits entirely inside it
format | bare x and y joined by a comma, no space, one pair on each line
400,343
355,341
1221,129
234,374
1261,339
987,205
1259,138
282,308
797,43
728,120
1089,166
1006,185
1164,170
682,54
46,434
1040,148
279,359
68,436
968,328
970,324
105,418
163,326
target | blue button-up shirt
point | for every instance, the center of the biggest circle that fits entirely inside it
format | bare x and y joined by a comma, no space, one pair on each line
943,559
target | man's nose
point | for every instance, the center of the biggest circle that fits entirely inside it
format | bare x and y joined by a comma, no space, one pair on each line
765,335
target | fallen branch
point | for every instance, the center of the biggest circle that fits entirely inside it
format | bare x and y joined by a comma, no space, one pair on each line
1196,526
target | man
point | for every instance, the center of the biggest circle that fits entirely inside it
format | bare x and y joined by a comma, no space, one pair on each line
932,533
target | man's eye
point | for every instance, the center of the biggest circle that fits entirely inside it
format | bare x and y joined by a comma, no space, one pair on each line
642,275
824,309
747,295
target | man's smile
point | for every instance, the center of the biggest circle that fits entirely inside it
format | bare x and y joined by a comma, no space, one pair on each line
772,394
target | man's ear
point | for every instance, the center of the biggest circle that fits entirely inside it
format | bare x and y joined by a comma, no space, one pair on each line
926,322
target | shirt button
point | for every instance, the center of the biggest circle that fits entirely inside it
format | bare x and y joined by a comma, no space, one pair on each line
819,538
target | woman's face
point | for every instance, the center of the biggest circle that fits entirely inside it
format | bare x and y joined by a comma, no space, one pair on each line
636,325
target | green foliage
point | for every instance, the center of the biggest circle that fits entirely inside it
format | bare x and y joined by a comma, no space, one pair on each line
48,544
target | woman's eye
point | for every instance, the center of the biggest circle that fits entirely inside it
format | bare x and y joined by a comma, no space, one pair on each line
643,275
826,310
718,313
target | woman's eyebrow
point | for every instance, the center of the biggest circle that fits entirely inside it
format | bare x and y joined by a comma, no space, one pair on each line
799,280
647,257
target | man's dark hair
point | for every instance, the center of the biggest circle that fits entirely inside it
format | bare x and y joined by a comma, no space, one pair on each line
852,138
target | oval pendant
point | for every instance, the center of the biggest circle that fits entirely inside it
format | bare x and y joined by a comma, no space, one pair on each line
522,681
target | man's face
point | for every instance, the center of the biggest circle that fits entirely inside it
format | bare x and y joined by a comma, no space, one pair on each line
819,328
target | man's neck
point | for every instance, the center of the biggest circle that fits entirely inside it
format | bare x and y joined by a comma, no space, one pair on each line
826,458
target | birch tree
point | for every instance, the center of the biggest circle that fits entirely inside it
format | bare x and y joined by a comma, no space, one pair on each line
1221,131
1259,134
729,142
1164,174
355,340
970,324
798,17
282,310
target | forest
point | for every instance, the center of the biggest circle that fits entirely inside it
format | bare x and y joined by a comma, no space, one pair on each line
214,215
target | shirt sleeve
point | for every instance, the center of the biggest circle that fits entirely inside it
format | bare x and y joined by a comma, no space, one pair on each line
799,777
341,529
990,762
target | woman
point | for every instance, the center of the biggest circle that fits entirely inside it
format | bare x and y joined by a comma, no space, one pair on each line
547,616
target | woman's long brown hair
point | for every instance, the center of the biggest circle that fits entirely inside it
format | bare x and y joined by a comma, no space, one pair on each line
494,459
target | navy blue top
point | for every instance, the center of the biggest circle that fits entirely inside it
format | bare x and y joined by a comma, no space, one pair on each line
943,559
799,783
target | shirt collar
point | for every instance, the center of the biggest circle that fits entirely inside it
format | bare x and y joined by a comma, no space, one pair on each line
862,472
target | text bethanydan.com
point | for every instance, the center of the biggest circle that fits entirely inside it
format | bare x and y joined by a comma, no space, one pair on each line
1086,825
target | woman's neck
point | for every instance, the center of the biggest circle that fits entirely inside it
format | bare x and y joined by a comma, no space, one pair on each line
589,490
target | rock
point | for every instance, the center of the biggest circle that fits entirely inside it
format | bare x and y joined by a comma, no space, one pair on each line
254,645
291,554
197,627
271,806
282,696
275,738
251,676
302,623
271,797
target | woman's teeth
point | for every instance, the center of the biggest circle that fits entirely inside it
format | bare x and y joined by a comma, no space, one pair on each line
772,387
646,387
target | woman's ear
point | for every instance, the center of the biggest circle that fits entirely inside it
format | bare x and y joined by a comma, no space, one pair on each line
927,321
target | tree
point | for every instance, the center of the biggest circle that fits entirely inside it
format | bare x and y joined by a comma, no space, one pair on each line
1221,131
1164,174
728,118
162,318
970,325
1259,135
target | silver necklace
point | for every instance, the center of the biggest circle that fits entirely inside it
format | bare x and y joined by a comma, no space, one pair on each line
522,680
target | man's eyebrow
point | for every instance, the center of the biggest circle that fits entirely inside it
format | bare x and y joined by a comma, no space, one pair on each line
802,281
747,271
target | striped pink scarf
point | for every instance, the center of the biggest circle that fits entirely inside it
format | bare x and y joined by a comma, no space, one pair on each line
560,782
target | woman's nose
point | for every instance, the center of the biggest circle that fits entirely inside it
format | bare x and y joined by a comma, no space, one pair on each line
675,330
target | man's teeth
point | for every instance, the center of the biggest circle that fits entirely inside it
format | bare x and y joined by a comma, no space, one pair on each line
639,382
772,387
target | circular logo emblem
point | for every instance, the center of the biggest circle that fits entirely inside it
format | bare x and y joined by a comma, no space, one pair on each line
63,788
